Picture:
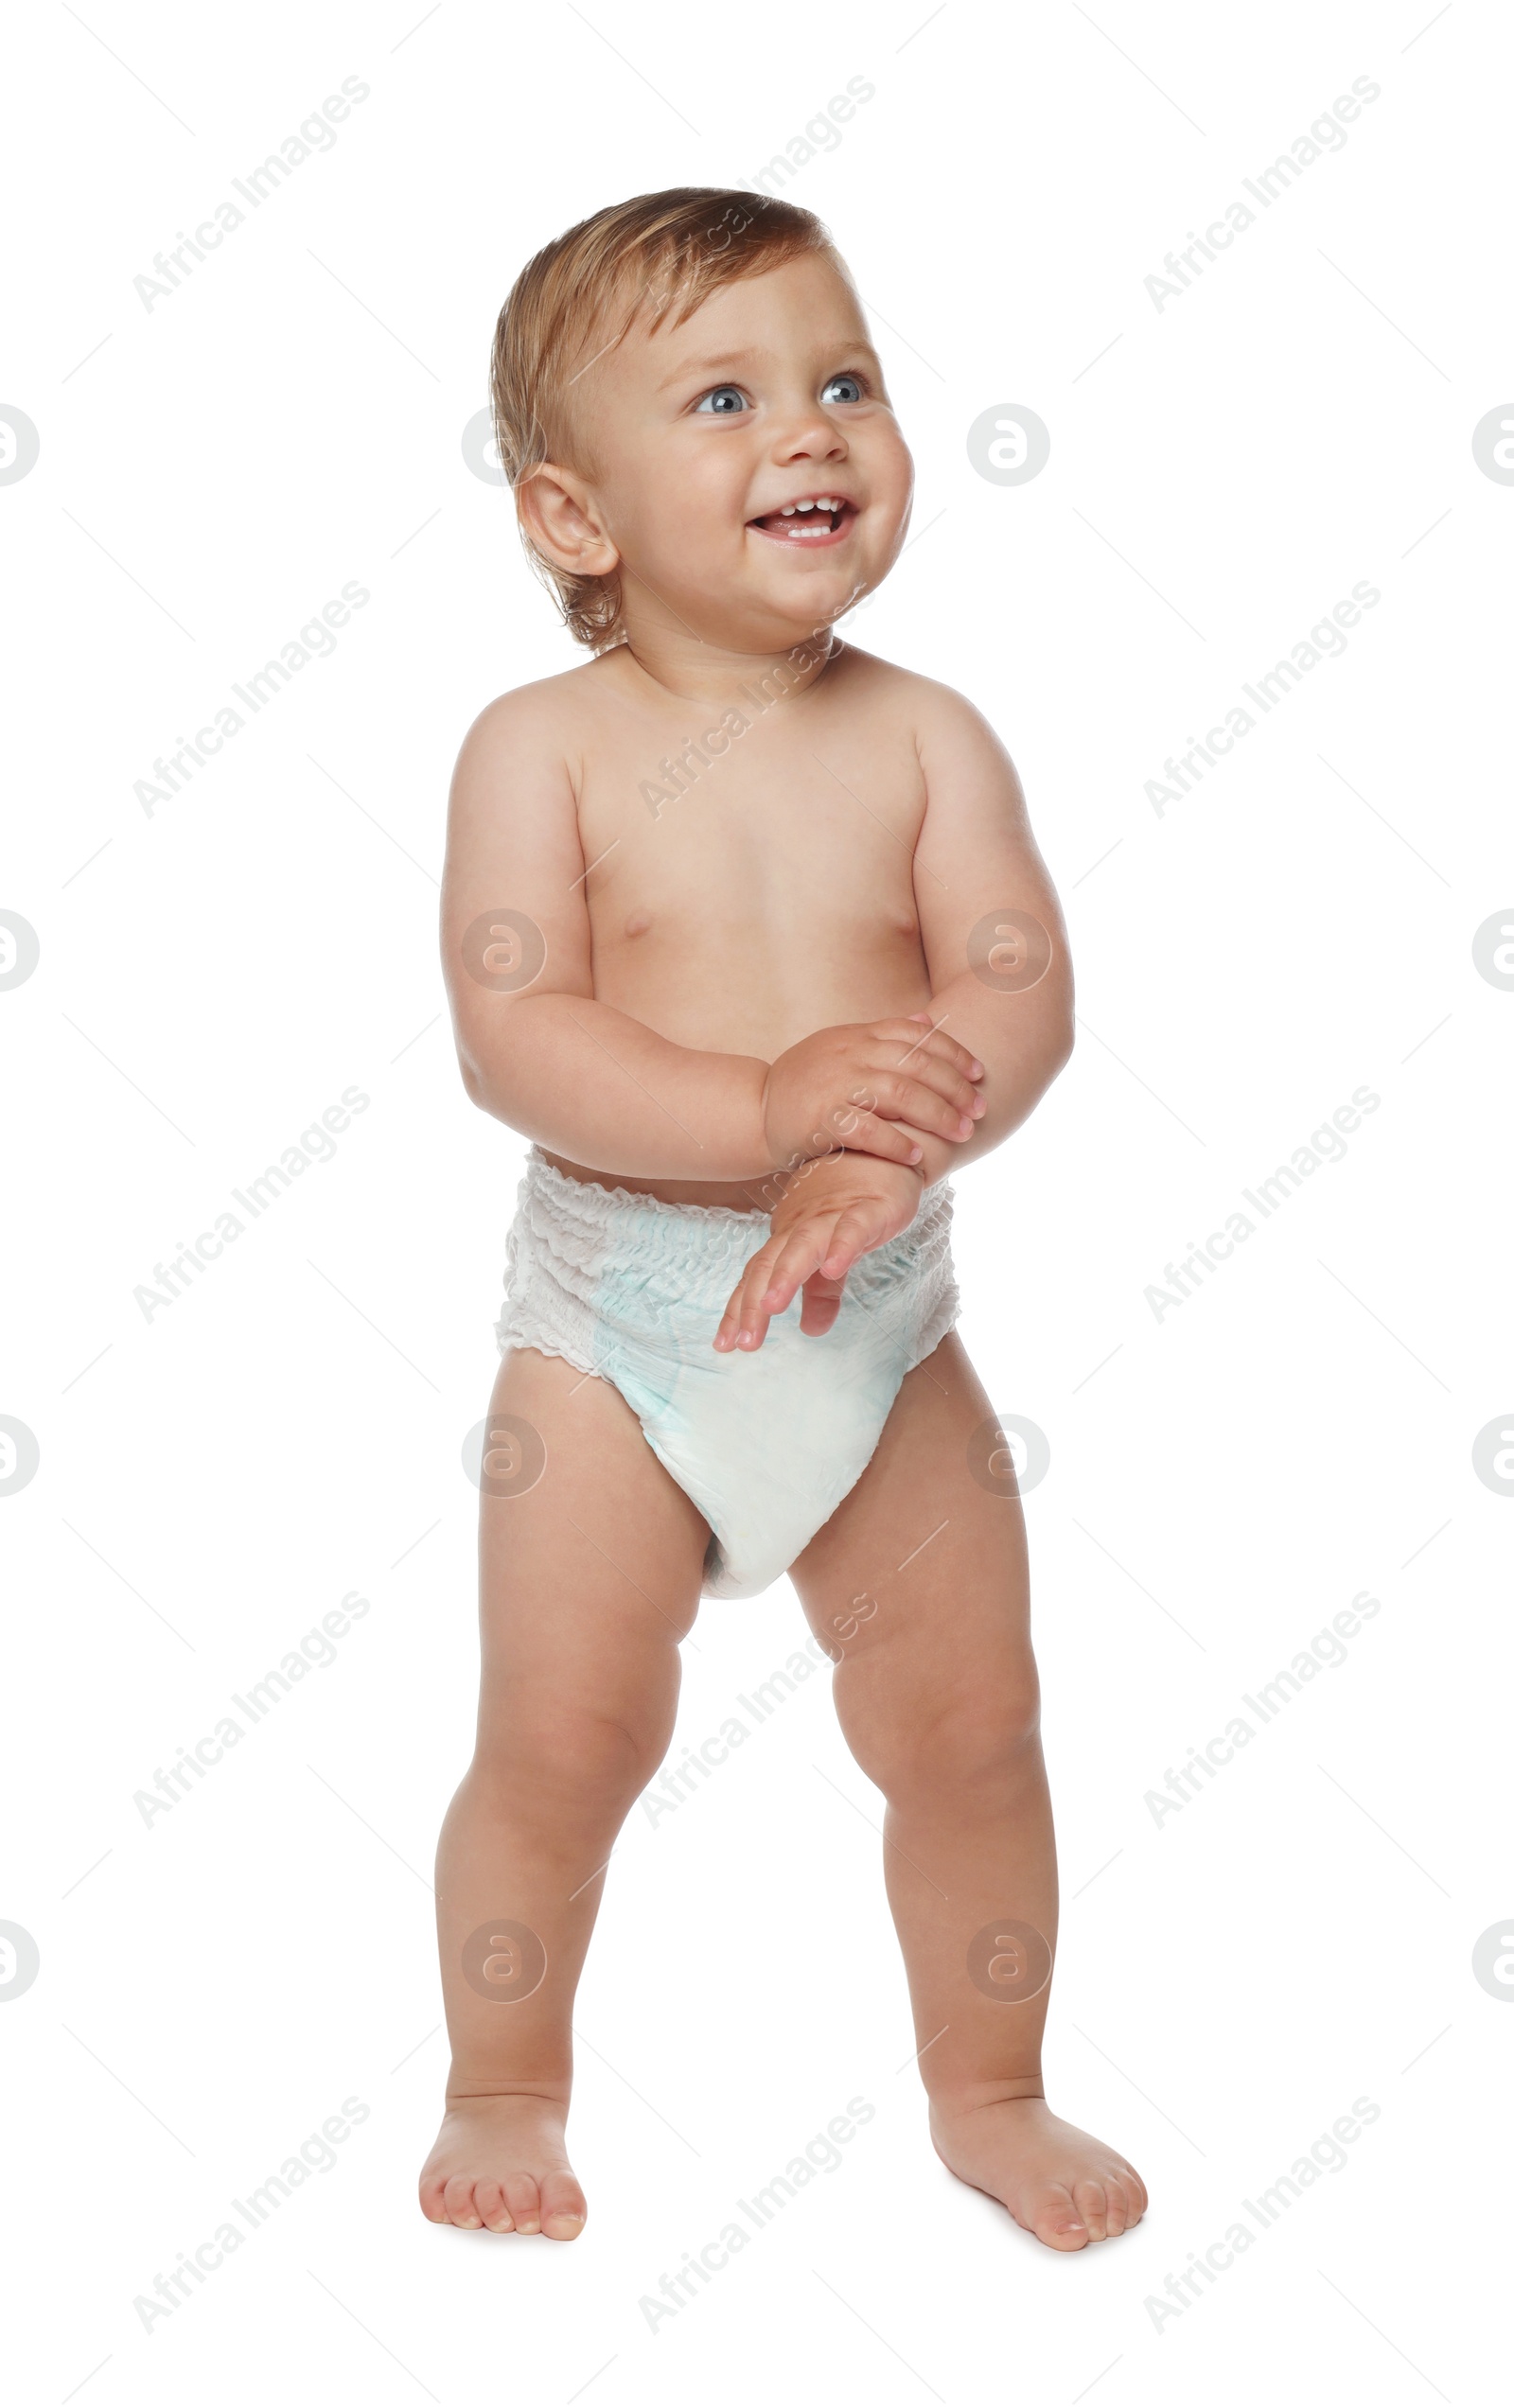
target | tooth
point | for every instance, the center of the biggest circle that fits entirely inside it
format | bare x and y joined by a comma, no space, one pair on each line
788,511
803,505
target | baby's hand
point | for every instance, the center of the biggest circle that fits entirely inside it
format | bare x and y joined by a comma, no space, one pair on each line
833,1211
869,1086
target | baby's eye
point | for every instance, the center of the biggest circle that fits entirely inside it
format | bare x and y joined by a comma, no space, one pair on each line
723,402
843,388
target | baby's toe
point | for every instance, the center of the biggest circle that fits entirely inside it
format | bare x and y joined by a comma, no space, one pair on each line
1089,2198
488,2198
434,2198
524,2201
563,2207
1119,2215
1054,2219
458,2199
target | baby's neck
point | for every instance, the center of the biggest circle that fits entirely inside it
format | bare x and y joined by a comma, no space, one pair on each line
677,660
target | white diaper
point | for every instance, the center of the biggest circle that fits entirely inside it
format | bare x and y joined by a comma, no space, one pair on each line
767,1443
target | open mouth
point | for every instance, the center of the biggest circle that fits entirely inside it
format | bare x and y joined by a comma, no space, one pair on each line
821,519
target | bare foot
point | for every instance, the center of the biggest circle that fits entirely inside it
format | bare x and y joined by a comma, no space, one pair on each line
499,2162
1059,2183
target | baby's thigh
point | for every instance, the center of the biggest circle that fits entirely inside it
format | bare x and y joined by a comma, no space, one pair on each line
591,1557
918,1585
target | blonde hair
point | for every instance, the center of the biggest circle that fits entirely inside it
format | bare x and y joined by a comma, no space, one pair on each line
660,255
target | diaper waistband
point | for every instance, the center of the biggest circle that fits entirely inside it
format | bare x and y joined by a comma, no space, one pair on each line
710,1242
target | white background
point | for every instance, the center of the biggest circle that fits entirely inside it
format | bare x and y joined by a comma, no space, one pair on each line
1223,1480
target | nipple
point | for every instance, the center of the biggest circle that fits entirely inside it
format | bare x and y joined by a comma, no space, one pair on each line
638,924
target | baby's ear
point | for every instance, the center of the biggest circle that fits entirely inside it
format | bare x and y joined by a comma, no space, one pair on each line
561,523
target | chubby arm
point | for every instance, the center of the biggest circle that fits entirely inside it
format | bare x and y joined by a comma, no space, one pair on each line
995,942
534,1047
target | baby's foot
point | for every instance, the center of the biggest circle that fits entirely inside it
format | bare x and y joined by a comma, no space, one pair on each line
1059,2183
500,2161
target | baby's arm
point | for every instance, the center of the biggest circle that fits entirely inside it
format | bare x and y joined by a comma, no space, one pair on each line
589,1081
989,920
1001,982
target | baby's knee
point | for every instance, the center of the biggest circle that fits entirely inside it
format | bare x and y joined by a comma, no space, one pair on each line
973,1738
570,1763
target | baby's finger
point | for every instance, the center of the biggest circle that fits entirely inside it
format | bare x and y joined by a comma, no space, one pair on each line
822,1302
865,1133
938,1046
856,1231
899,1097
769,1284
928,1071
919,1035
755,1276
803,1250
743,1325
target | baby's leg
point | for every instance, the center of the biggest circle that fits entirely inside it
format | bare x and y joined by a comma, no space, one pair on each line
588,1580
918,1584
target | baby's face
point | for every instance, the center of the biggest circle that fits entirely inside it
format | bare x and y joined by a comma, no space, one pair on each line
718,445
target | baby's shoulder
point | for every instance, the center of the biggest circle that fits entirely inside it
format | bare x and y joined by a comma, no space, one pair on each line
545,716
905,696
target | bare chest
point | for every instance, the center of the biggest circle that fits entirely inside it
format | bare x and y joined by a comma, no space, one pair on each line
760,851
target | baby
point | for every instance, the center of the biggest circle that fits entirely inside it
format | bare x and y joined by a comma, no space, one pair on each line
748,932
